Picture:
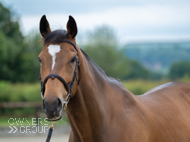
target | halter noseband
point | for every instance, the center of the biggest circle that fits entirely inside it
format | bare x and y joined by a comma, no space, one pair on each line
69,87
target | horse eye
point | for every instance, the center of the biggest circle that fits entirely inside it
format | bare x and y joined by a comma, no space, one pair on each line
73,60
39,60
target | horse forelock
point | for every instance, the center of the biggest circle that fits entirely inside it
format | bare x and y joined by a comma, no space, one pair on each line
55,37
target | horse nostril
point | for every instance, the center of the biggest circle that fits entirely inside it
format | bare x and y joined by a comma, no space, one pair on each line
52,107
44,106
59,104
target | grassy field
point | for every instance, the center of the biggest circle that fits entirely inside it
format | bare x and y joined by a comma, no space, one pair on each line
139,87
27,92
31,93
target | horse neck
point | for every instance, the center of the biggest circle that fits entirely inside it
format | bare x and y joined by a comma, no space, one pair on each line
96,95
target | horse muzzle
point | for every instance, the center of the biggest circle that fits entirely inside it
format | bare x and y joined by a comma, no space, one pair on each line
52,109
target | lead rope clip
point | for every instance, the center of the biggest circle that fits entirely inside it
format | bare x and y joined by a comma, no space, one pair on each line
51,128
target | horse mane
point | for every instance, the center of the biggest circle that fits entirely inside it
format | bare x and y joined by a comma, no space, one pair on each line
91,61
97,67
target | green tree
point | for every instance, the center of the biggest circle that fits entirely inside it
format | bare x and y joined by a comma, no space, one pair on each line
31,66
9,24
102,47
9,58
179,70
18,54
12,45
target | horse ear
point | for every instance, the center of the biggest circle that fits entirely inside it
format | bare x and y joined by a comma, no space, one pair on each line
71,27
44,26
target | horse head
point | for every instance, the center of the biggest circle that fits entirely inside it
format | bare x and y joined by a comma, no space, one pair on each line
59,66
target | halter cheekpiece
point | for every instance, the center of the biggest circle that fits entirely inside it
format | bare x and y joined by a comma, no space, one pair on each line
69,87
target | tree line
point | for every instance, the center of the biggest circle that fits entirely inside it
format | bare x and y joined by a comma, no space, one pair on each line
158,56
18,53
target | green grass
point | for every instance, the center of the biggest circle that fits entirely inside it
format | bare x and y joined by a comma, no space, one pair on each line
139,87
27,92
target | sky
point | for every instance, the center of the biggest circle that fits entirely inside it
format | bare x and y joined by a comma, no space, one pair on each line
131,20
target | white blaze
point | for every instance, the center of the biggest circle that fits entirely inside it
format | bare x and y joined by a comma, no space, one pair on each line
53,49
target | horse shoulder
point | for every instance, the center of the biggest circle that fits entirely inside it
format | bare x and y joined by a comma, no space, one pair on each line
173,94
167,109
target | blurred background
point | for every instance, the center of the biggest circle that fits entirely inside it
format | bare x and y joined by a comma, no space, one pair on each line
143,43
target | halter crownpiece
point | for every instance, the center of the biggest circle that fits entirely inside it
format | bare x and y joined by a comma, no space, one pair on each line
69,87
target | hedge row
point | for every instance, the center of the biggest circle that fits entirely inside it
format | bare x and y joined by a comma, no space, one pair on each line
26,92
19,92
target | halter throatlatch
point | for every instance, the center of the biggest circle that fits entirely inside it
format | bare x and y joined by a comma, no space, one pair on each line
68,87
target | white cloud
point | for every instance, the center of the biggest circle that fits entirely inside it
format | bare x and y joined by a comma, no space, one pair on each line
139,22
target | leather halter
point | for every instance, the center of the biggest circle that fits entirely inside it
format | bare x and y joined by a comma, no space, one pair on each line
69,87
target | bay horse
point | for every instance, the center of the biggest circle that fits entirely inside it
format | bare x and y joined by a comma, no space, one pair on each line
100,108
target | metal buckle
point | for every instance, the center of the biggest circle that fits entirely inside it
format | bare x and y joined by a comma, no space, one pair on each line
66,101
51,126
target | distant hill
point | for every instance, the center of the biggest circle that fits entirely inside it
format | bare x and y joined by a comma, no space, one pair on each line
158,56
